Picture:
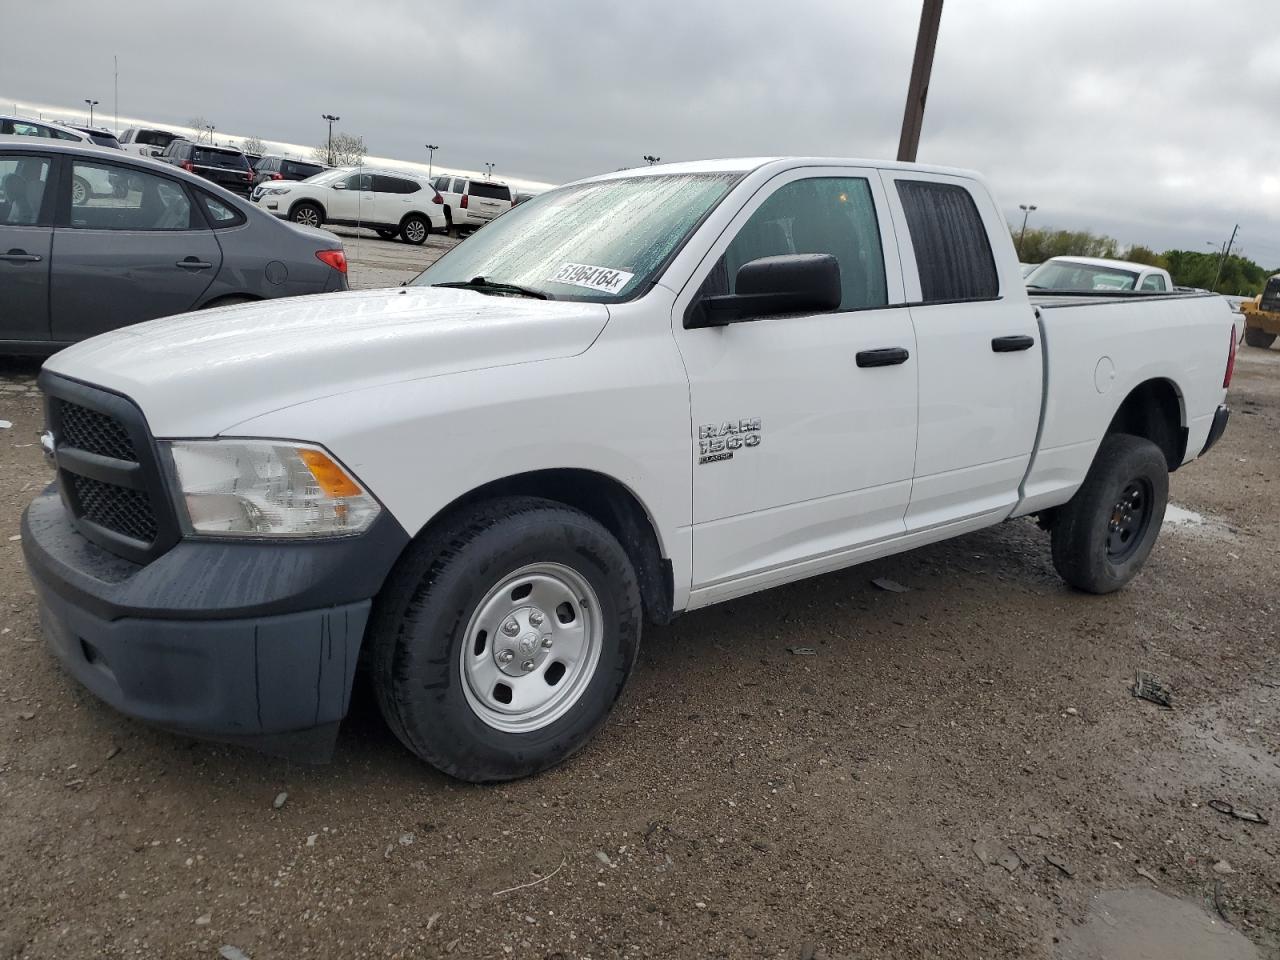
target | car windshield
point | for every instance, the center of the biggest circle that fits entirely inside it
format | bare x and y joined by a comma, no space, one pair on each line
602,241
1069,275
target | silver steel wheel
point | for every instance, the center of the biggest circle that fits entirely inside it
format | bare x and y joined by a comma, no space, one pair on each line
415,231
531,648
79,192
307,216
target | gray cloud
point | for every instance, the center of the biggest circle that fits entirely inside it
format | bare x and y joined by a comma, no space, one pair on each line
1155,123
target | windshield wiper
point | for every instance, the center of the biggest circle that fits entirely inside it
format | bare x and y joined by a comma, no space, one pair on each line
482,285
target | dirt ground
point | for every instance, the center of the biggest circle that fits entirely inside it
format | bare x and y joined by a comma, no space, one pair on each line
957,770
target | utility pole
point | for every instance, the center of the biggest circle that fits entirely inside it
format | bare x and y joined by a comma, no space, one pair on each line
489,174
918,87
650,159
332,120
92,104
1226,252
1026,209
431,155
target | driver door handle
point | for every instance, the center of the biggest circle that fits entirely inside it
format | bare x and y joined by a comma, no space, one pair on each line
882,357
17,255
191,263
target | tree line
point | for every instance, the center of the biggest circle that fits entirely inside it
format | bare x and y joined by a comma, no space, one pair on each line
1189,268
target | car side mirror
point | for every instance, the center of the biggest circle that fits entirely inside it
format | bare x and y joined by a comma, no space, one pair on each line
770,286
340,185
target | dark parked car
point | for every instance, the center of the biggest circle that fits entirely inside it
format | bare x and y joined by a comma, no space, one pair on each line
99,135
225,166
280,168
169,243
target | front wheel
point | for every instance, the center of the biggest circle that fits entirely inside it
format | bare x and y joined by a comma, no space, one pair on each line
1104,534
414,229
503,638
307,214
1258,338
81,192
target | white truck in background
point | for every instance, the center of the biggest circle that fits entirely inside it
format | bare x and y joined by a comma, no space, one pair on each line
629,397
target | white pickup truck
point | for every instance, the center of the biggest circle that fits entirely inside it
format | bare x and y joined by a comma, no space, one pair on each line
629,397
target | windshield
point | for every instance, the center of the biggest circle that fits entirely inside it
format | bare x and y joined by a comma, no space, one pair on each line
1067,275
603,241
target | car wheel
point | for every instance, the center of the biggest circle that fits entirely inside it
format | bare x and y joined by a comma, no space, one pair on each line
1102,536
307,214
1258,338
503,638
81,192
386,234
414,229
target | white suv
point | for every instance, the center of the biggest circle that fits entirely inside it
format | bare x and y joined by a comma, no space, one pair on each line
473,203
147,141
390,203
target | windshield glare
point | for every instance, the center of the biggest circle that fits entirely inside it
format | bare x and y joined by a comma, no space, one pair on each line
1065,275
603,241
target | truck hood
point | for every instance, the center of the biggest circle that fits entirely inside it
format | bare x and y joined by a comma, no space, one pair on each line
200,374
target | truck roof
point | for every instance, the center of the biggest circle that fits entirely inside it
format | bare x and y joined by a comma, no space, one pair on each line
1104,262
748,164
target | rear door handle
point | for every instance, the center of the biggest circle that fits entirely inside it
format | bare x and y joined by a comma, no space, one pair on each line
20,256
1012,344
883,357
191,263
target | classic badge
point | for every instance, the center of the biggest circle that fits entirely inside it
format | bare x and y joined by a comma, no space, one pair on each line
718,441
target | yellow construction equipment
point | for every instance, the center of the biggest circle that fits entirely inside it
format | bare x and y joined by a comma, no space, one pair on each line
1262,315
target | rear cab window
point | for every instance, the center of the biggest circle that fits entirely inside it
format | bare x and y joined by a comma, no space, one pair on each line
952,249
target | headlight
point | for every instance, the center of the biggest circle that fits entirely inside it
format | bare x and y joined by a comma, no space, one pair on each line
264,488
276,191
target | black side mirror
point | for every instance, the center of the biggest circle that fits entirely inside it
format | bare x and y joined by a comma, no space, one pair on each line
769,286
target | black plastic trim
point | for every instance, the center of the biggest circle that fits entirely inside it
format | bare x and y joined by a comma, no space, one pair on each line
1217,429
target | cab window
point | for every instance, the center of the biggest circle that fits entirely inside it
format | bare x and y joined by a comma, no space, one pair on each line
835,215
1153,282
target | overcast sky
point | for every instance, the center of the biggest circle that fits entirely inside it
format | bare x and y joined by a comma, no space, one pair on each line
1154,122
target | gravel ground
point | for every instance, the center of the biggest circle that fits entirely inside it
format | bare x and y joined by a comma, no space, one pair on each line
957,770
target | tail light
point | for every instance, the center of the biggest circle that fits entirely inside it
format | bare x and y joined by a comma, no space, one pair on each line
188,166
1231,359
333,258
277,176
463,202
437,198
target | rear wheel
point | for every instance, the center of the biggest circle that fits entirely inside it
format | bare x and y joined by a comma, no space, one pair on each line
502,640
307,214
1104,534
1258,338
414,229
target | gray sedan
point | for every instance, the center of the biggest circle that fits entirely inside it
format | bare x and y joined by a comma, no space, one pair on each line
94,239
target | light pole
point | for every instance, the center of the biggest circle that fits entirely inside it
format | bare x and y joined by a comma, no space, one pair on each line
650,159
332,120
92,104
210,128
489,173
1026,209
431,155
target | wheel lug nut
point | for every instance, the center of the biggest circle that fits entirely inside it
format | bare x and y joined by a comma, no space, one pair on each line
506,656
536,618
546,643
527,666
511,628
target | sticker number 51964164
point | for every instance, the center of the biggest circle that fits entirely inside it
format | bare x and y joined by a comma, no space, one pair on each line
593,278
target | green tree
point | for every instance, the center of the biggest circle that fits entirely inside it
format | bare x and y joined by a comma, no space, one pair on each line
1137,253
1039,244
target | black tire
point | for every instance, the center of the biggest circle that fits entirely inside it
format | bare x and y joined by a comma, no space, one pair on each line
1258,338
81,192
1104,534
427,611
308,214
386,233
415,228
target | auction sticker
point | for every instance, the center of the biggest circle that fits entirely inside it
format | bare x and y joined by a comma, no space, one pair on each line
593,278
